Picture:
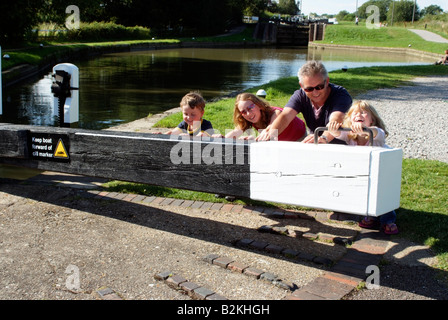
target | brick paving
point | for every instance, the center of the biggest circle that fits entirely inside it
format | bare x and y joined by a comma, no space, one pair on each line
343,277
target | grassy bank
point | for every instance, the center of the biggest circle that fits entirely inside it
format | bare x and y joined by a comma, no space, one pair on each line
388,37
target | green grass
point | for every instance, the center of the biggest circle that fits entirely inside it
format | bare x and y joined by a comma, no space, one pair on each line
423,213
389,37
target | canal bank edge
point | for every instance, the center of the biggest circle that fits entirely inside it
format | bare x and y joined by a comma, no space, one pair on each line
406,51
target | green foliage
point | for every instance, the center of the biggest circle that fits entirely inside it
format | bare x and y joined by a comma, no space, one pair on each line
17,18
102,31
403,11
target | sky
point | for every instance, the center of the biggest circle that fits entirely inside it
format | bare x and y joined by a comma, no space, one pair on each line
335,6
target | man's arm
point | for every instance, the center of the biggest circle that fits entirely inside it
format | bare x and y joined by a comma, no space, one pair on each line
279,125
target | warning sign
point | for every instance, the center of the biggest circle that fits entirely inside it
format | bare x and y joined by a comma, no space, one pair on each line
46,146
60,151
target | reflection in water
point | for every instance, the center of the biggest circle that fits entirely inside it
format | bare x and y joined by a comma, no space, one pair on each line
122,87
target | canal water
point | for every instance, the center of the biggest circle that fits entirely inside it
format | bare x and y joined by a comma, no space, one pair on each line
122,87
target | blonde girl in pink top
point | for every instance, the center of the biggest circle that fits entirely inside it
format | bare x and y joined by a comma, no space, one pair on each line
361,115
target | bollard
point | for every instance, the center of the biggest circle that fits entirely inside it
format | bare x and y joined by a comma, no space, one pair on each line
66,95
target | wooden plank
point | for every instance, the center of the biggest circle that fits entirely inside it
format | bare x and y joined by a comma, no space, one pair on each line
208,165
12,143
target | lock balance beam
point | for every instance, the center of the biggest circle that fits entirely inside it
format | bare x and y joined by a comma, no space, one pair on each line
361,180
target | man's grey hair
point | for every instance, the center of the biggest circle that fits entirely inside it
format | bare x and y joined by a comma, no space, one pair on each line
312,68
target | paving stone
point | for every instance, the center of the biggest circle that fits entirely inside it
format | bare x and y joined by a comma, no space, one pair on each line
177,202
138,198
189,287
129,197
253,272
259,245
217,206
166,202
206,205
352,281
187,203
197,204
272,248
237,208
157,200
222,261
209,258
227,207
328,288
305,256
149,199
244,243
310,236
289,253
120,196
237,266
163,275
175,281
326,237
202,293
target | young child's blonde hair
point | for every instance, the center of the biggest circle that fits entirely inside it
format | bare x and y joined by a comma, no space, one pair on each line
363,106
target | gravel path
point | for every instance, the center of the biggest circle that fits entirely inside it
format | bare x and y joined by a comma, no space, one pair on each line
415,116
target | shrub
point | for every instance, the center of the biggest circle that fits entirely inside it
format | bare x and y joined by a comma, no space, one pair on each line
102,31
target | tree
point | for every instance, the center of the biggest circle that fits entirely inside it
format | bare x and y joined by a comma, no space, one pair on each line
288,7
383,5
17,18
432,10
403,11
341,15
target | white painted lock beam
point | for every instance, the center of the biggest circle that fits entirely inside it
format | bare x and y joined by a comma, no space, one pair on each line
357,180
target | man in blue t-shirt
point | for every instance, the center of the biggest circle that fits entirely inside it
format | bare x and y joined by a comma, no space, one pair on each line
318,100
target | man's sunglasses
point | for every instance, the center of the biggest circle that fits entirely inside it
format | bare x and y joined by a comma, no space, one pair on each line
311,89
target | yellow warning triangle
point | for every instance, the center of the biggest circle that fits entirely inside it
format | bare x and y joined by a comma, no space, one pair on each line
60,151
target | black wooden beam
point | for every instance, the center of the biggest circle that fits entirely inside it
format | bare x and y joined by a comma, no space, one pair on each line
200,164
